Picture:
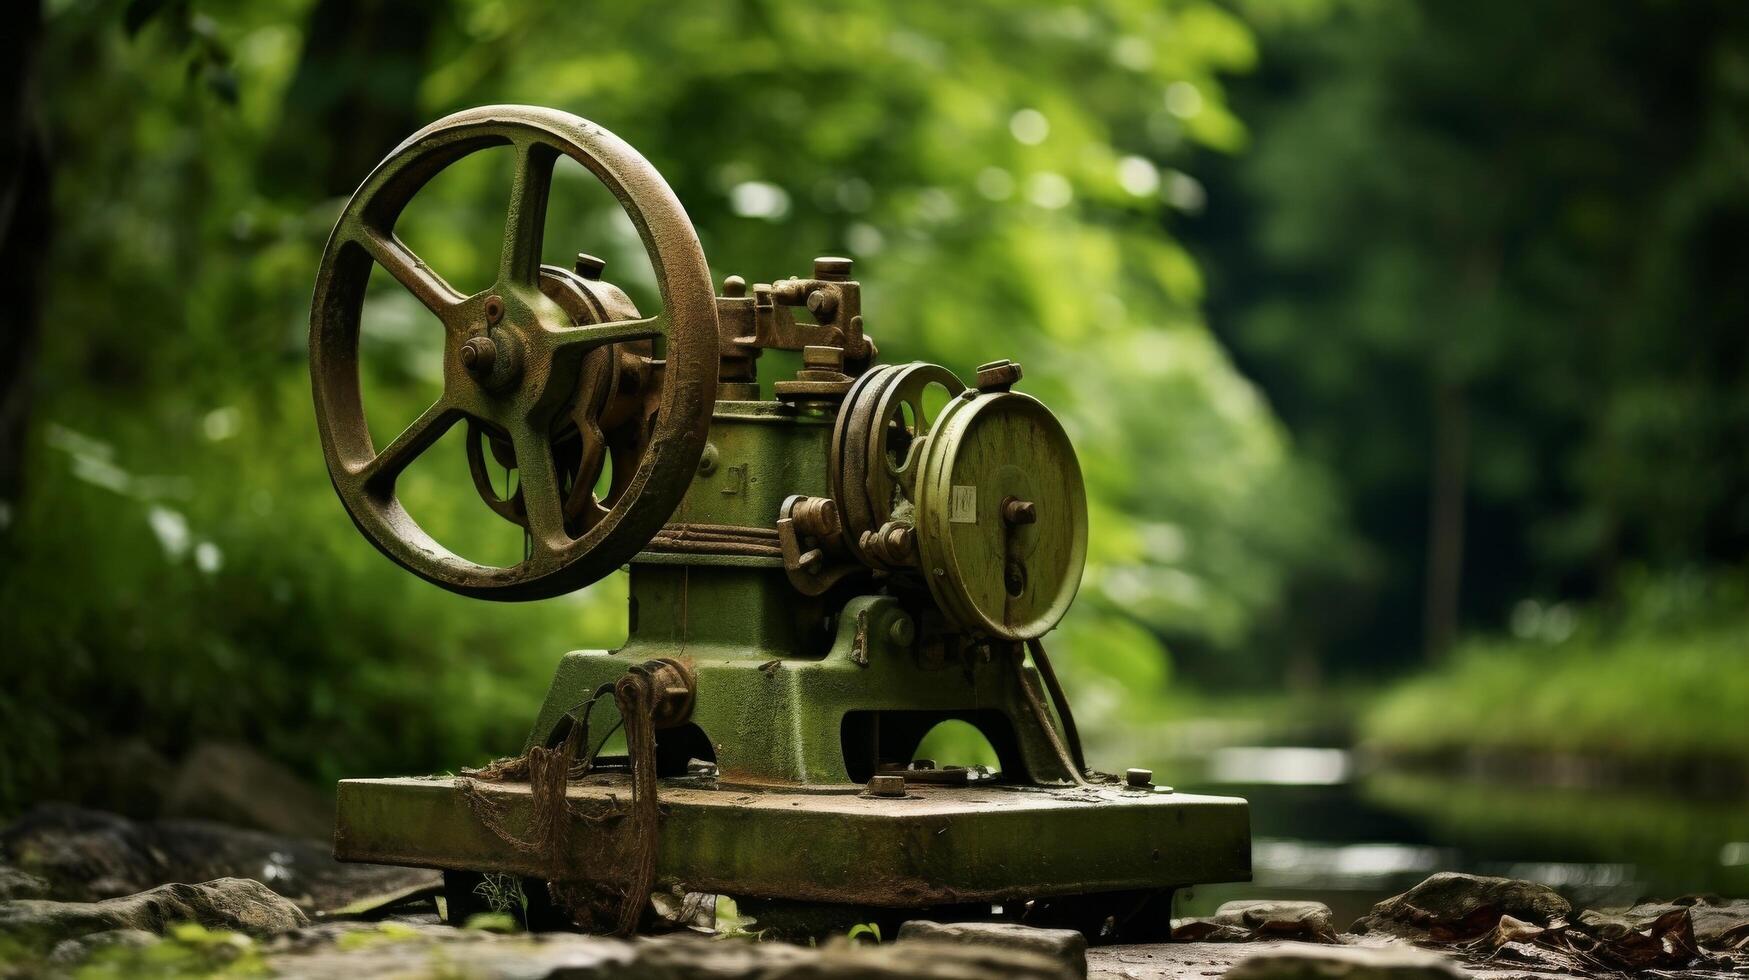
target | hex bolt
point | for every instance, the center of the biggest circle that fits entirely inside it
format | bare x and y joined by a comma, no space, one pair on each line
822,304
903,632
998,375
832,268
494,308
588,266
1017,512
888,785
822,358
1139,778
478,355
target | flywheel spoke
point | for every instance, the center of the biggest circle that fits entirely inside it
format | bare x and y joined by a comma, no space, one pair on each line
539,483
525,224
381,472
595,335
410,271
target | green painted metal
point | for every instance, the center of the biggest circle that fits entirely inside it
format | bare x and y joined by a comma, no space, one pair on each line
937,845
758,454
775,718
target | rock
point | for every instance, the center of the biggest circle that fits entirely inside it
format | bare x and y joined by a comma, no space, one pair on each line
20,884
1244,921
1346,963
235,785
1065,946
74,950
361,952
235,904
1718,924
87,855
1450,907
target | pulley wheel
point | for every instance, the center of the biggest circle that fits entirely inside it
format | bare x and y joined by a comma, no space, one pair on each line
512,356
878,442
1002,516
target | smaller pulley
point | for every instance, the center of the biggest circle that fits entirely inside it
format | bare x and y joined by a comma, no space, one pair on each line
877,445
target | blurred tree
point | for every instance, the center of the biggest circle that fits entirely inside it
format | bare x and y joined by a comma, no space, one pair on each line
1487,260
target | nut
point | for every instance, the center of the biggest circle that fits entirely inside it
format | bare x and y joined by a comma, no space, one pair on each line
820,357
998,375
588,266
903,632
1139,778
888,785
816,516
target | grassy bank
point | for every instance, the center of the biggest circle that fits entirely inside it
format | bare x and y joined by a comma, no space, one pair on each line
1658,680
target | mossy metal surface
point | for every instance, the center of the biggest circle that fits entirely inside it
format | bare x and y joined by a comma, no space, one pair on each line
936,845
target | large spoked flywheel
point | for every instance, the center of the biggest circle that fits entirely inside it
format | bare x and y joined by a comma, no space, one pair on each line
527,364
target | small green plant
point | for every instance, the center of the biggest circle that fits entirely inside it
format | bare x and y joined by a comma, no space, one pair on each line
504,896
870,930
731,924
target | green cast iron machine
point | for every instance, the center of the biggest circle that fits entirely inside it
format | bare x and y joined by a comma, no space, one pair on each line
816,581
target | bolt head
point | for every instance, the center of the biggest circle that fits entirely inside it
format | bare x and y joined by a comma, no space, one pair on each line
832,268
1138,777
822,305
588,266
479,355
902,631
889,785
734,287
998,375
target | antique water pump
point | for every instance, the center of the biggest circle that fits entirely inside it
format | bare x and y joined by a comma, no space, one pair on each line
817,581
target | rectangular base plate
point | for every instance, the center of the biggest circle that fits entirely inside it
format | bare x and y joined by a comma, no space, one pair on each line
937,845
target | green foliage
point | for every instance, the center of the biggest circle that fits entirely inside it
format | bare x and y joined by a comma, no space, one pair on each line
187,950
504,897
1657,679
868,930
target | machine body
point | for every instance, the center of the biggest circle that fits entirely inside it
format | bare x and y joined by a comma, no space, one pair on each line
817,580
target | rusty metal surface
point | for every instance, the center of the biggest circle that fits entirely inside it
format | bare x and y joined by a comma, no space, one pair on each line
532,349
935,845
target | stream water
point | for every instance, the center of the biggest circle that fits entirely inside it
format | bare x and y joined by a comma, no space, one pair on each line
1325,828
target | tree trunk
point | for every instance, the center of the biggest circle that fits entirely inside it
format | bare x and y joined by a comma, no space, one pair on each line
24,234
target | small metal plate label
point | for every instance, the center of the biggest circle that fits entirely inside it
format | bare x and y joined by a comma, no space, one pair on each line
963,507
